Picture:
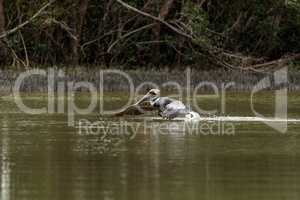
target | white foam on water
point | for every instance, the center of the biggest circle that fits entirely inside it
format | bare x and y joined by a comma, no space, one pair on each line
235,119
247,119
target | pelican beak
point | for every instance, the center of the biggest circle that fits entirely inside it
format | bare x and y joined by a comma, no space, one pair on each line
145,98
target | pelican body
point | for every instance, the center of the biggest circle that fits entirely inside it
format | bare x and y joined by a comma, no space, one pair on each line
168,108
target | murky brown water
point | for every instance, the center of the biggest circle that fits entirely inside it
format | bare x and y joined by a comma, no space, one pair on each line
43,158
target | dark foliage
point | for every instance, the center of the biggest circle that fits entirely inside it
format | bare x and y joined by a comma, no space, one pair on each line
94,32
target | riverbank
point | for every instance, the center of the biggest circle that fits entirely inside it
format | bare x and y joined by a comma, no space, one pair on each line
119,80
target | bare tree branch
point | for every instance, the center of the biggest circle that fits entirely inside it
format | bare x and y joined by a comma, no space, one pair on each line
25,51
278,62
211,52
37,14
64,26
127,35
158,19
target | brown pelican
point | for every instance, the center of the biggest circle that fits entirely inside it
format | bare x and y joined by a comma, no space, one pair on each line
168,108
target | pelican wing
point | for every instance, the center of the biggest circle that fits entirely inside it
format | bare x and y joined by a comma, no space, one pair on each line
175,105
174,109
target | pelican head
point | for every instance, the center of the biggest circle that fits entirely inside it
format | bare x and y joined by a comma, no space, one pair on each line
152,95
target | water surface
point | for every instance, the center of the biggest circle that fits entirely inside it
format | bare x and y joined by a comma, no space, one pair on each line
43,158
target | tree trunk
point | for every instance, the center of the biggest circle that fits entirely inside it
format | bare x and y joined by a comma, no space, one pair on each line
2,29
2,16
77,21
164,11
